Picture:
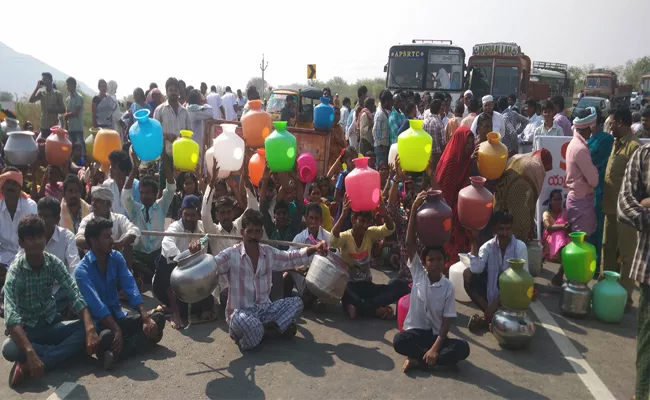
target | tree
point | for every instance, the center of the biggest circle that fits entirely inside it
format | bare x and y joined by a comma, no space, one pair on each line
6,96
577,75
633,71
257,82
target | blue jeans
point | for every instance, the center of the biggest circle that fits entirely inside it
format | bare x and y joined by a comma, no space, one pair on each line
53,343
381,154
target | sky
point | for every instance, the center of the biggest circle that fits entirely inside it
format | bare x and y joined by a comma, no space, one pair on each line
222,42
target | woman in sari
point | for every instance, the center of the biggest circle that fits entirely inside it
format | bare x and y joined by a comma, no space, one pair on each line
556,229
600,146
451,175
103,107
519,187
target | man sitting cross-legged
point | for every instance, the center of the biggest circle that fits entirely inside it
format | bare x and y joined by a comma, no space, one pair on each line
98,275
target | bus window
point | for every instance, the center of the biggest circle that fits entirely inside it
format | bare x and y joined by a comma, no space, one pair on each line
405,72
444,69
479,81
524,80
605,82
591,83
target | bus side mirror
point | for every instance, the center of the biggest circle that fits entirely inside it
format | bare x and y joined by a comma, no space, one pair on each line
386,68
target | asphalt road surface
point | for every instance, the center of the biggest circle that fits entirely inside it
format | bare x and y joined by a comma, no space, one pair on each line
334,358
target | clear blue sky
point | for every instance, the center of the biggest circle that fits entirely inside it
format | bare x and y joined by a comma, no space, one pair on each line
221,42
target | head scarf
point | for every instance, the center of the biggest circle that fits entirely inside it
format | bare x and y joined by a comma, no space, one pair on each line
454,166
586,122
112,88
102,193
191,201
487,99
12,176
151,93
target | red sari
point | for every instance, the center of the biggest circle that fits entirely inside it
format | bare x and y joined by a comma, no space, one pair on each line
452,175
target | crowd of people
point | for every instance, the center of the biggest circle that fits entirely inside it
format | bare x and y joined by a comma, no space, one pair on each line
72,246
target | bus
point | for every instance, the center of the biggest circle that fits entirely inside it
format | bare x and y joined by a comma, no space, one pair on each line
502,69
645,88
426,65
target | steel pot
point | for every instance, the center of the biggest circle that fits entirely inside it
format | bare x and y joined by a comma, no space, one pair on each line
575,300
327,277
21,149
195,277
513,329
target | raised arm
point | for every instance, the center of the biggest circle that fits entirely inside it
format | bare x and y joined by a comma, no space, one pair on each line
411,235
336,230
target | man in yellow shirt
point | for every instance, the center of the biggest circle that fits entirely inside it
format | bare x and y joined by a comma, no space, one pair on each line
362,296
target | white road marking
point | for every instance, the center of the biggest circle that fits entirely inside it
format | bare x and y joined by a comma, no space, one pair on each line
579,364
63,391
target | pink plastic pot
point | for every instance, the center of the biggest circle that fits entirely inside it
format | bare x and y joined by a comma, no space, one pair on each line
307,168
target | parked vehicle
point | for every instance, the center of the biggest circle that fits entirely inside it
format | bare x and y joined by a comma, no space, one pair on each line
591,101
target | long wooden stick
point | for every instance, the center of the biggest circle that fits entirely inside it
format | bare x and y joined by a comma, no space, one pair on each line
216,235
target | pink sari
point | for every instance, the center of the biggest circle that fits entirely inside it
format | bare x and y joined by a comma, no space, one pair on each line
558,239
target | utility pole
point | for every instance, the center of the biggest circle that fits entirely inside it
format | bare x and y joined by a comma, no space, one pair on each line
263,67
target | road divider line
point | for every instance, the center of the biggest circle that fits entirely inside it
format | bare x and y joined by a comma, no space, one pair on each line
63,391
578,363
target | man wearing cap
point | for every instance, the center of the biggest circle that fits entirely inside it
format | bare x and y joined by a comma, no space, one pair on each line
124,232
172,246
467,98
498,124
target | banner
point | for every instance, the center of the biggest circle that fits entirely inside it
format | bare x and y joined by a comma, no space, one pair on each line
556,177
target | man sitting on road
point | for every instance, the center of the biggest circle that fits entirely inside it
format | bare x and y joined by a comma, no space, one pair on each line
248,266
38,340
98,275
73,207
60,243
124,232
487,264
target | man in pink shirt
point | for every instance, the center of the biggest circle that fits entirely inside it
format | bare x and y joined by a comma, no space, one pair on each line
581,175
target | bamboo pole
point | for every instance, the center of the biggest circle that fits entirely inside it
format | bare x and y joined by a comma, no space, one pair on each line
216,235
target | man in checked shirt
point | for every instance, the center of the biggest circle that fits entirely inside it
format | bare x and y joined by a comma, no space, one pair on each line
634,210
248,266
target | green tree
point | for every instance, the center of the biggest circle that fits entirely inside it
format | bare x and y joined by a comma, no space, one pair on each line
634,69
6,96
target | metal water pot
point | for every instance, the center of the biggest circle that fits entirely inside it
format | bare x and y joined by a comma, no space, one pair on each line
575,300
21,149
512,328
195,277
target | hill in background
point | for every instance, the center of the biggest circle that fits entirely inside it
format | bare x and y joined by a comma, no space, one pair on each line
19,73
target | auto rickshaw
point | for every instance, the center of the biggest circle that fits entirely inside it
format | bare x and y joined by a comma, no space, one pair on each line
305,99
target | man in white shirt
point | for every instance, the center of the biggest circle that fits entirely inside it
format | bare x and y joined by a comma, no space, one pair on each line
14,205
172,247
60,243
498,124
241,102
313,234
534,120
345,113
487,264
229,104
125,233
121,167
467,98
214,100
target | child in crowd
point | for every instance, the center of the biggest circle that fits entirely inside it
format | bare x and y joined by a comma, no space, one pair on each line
372,162
487,264
186,183
313,233
362,296
52,184
316,196
431,310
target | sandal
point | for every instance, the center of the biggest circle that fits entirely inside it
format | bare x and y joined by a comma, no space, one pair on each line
385,312
205,317
475,323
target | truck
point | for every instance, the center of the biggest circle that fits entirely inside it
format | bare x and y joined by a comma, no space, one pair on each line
645,89
556,76
604,83
502,69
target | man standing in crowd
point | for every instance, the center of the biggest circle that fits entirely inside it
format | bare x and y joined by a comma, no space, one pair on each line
204,89
229,104
515,124
345,113
512,103
498,124
241,102
365,125
619,238
51,103
560,118
433,126
38,340
396,118
634,210
472,108
74,116
214,100
468,96
352,125
534,120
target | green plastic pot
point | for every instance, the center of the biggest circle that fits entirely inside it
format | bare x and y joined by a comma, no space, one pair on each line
609,299
516,285
579,259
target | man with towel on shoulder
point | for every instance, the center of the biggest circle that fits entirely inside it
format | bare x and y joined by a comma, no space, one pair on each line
498,124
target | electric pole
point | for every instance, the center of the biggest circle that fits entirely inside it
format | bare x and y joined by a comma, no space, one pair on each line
263,67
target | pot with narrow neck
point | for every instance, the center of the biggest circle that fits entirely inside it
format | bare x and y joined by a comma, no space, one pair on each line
579,258
58,147
256,124
434,220
516,285
146,136
228,149
323,115
609,299
195,277
414,147
185,152
492,157
281,147
363,186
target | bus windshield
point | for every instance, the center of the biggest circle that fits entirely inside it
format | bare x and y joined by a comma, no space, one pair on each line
420,68
591,82
506,81
444,69
405,73
480,77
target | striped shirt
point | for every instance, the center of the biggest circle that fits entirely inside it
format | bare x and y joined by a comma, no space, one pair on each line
635,188
172,122
380,130
433,125
395,121
249,286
